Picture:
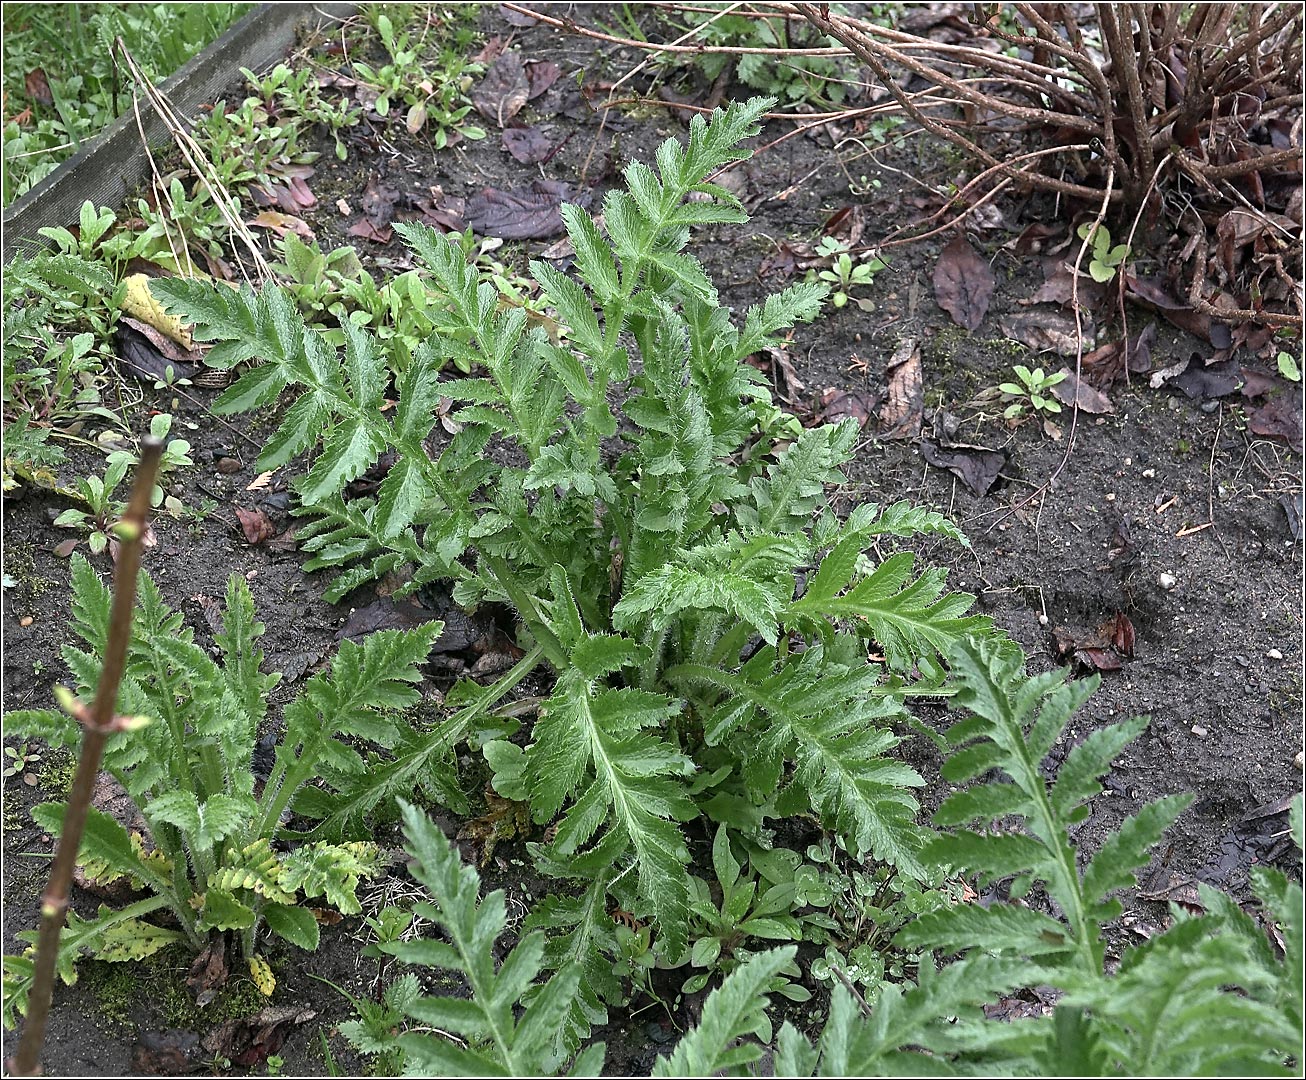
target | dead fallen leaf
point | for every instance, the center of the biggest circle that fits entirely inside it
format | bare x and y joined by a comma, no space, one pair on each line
167,1053
1212,381
504,90
963,283
249,1041
1070,391
1278,418
1047,331
1153,292
975,466
415,119
540,75
528,145
846,225
384,614
365,230
208,972
148,354
839,405
281,224
379,201
783,376
255,525
901,414
65,548
1103,649
532,214
1059,286
1120,632
38,87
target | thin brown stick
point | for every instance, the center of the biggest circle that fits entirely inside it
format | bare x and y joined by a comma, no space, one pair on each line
1124,59
98,723
222,199
874,54
893,241
1271,160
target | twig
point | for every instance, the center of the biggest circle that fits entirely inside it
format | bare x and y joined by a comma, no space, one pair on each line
222,199
1210,480
892,242
98,722
692,32
874,54
1129,245
857,994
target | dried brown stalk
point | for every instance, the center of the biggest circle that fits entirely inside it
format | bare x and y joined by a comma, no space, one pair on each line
99,721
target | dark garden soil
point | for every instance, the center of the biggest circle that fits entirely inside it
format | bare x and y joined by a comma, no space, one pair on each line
1168,515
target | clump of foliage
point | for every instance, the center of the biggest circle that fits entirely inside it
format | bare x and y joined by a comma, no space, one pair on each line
431,89
61,86
187,766
818,80
1209,996
707,618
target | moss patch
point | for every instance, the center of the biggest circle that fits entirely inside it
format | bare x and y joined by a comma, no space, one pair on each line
153,992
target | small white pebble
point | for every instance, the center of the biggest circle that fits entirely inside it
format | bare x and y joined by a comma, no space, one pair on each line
1199,731
1274,654
1129,461
1149,473
1167,581
1110,496
1300,760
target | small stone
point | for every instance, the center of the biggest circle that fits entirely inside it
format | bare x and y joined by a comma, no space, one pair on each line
343,207
26,621
1199,731
228,465
1110,496
1209,406
1129,461
1274,654
1300,760
1042,620
1167,581
1149,473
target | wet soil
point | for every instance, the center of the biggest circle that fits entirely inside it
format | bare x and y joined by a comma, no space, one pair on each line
1217,612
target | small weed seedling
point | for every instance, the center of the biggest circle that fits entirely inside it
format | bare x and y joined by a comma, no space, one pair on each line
1104,260
102,509
846,274
1031,392
19,760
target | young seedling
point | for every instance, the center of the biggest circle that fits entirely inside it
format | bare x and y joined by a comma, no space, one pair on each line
844,274
98,721
1032,392
1105,259
18,760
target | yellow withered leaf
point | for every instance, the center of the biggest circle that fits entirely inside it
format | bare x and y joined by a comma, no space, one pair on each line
261,973
140,304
